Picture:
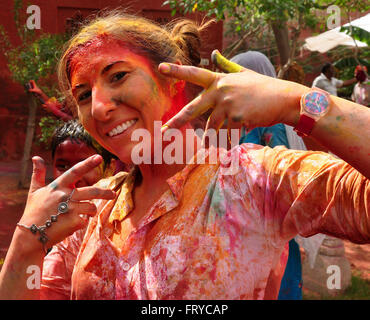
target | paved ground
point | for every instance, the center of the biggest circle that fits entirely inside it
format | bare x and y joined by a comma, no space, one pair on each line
12,202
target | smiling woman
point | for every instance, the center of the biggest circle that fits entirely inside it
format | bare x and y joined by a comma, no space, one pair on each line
120,54
184,230
179,42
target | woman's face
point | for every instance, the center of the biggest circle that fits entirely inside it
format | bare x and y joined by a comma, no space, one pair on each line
117,92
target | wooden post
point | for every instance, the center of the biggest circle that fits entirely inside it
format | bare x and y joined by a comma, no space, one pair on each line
32,108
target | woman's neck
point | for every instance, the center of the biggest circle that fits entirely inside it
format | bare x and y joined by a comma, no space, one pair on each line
154,175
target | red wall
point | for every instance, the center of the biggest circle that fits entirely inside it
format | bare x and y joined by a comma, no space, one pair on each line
13,102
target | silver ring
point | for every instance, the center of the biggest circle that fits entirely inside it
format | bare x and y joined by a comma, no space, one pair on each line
63,206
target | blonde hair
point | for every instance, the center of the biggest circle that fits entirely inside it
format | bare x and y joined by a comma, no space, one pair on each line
179,40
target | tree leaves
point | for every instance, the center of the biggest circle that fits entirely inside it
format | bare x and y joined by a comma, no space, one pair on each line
357,33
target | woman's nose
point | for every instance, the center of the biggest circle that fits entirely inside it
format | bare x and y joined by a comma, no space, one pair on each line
102,105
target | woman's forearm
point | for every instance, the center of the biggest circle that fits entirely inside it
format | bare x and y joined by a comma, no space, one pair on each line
345,131
255,100
20,276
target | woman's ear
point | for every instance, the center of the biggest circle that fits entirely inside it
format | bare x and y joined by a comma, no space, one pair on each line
178,62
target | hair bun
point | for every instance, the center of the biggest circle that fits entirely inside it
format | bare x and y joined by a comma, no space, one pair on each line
186,35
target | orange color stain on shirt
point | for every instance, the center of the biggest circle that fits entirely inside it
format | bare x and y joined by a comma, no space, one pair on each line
213,236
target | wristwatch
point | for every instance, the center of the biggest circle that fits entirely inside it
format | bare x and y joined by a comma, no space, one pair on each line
314,105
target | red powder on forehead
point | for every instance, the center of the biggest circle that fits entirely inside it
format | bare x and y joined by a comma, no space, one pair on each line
100,44
92,45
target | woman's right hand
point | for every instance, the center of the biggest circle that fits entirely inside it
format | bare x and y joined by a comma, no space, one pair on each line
244,98
43,200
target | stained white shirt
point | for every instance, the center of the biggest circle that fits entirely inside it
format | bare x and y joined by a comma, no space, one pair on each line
324,83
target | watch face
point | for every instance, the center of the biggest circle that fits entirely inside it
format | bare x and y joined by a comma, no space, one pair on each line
316,102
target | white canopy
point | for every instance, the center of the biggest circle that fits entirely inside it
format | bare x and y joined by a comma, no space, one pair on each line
332,38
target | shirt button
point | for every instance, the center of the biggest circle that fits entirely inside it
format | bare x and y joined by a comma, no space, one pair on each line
125,266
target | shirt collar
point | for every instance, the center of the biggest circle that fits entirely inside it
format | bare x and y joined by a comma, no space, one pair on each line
324,76
124,202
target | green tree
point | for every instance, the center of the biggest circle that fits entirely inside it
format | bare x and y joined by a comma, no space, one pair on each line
284,18
34,58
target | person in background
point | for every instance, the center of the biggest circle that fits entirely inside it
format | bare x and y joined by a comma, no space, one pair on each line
291,284
361,91
60,110
71,144
326,80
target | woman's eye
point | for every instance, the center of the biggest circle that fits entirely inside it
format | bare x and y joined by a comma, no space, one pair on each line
84,96
118,76
63,167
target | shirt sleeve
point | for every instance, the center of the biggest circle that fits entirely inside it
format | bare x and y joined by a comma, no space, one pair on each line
305,192
338,83
58,267
319,83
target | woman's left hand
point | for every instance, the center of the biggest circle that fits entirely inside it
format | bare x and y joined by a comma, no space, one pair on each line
244,98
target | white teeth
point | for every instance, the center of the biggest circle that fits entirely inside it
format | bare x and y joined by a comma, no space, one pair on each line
120,128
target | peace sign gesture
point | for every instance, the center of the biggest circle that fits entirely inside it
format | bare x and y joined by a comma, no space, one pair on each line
244,98
55,210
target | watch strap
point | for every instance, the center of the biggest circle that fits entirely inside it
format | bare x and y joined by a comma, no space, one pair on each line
304,125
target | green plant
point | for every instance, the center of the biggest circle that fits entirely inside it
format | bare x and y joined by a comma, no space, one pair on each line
284,19
357,33
35,58
48,125
36,55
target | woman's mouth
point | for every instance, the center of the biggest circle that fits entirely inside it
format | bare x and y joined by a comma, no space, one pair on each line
121,128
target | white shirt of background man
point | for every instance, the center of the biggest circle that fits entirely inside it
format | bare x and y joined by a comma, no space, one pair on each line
324,83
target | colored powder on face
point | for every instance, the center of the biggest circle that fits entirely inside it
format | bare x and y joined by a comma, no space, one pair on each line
80,56
178,102
83,47
79,61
